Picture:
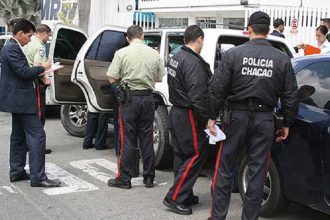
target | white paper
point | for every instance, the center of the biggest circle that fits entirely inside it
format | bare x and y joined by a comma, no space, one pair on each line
220,136
55,66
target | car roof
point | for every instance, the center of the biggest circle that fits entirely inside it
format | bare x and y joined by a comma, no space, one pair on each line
302,61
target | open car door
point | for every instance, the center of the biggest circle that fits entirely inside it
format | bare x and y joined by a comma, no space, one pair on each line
92,63
65,45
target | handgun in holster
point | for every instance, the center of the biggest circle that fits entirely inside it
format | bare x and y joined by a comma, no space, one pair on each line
225,113
123,93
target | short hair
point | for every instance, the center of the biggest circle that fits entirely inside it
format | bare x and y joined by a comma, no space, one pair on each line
11,22
326,20
323,29
41,28
262,29
23,25
192,33
278,22
134,31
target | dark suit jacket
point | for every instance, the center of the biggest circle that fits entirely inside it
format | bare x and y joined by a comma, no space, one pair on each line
17,93
278,34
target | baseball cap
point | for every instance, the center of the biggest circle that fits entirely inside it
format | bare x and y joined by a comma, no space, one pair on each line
259,17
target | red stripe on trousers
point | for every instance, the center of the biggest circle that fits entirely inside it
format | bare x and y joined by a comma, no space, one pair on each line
191,162
121,131
39,101
217,164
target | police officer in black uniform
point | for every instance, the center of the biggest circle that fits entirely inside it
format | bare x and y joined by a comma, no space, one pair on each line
188,80
252,78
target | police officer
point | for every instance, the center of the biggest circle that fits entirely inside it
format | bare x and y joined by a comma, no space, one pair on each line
35,53
97,126
136,67
188,79
252,77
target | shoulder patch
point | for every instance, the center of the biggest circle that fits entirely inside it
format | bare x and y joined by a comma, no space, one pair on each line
41,53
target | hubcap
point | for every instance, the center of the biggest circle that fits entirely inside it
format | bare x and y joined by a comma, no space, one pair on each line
267,186
156,137
78,115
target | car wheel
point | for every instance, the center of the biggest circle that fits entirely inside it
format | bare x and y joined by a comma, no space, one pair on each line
74,119
163,150
273,199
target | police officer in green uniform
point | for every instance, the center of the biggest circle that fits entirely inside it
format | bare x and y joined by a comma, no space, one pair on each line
35,52
136,67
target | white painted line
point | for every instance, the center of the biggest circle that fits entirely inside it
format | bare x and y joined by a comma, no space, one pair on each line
88,166
9,189
74,183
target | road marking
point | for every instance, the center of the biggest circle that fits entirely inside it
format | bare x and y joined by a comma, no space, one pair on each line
90,167
9,189
75,184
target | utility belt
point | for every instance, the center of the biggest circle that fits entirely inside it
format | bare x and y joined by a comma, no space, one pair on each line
124,93
250,105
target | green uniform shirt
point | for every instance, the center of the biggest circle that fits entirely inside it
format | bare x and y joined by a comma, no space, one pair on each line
137,64
35,51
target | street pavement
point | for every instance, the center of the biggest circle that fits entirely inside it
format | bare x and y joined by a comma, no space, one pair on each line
85,195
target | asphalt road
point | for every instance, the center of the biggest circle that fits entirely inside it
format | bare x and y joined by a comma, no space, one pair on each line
85,195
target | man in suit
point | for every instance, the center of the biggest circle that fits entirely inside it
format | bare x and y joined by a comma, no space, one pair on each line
326,22
278,28
17,96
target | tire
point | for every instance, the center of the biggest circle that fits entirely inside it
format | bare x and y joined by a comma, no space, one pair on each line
163,150
74,119
273,201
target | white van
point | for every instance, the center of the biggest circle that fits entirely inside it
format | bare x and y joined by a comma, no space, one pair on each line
83,79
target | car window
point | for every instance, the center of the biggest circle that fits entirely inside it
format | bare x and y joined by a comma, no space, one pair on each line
68,44
314,84
153,41
173,44
105,45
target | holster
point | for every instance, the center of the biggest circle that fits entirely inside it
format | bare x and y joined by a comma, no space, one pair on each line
123,93
225,113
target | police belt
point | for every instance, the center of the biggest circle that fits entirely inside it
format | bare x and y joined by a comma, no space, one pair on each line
257,107
140,92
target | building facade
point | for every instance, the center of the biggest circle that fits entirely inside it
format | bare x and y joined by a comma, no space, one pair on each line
301,16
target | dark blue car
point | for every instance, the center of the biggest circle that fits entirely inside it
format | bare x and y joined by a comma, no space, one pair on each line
299,169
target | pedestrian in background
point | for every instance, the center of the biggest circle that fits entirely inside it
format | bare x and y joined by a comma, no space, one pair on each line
35,52
326,22
188,80
17,96
136,68
252,78
278,25
323,44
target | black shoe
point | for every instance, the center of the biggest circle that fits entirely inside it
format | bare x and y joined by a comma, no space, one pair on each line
177,207
48,151
88,146
101,148
148,182
47,183
193,200
119,184
25,176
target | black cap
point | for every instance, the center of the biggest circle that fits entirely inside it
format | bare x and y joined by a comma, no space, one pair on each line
259,17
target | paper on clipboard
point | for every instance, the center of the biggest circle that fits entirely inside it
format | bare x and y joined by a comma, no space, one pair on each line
219,137
54,67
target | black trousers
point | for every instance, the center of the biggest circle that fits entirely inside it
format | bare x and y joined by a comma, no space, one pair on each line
257,134
27,135
97,126
136,124
190,152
